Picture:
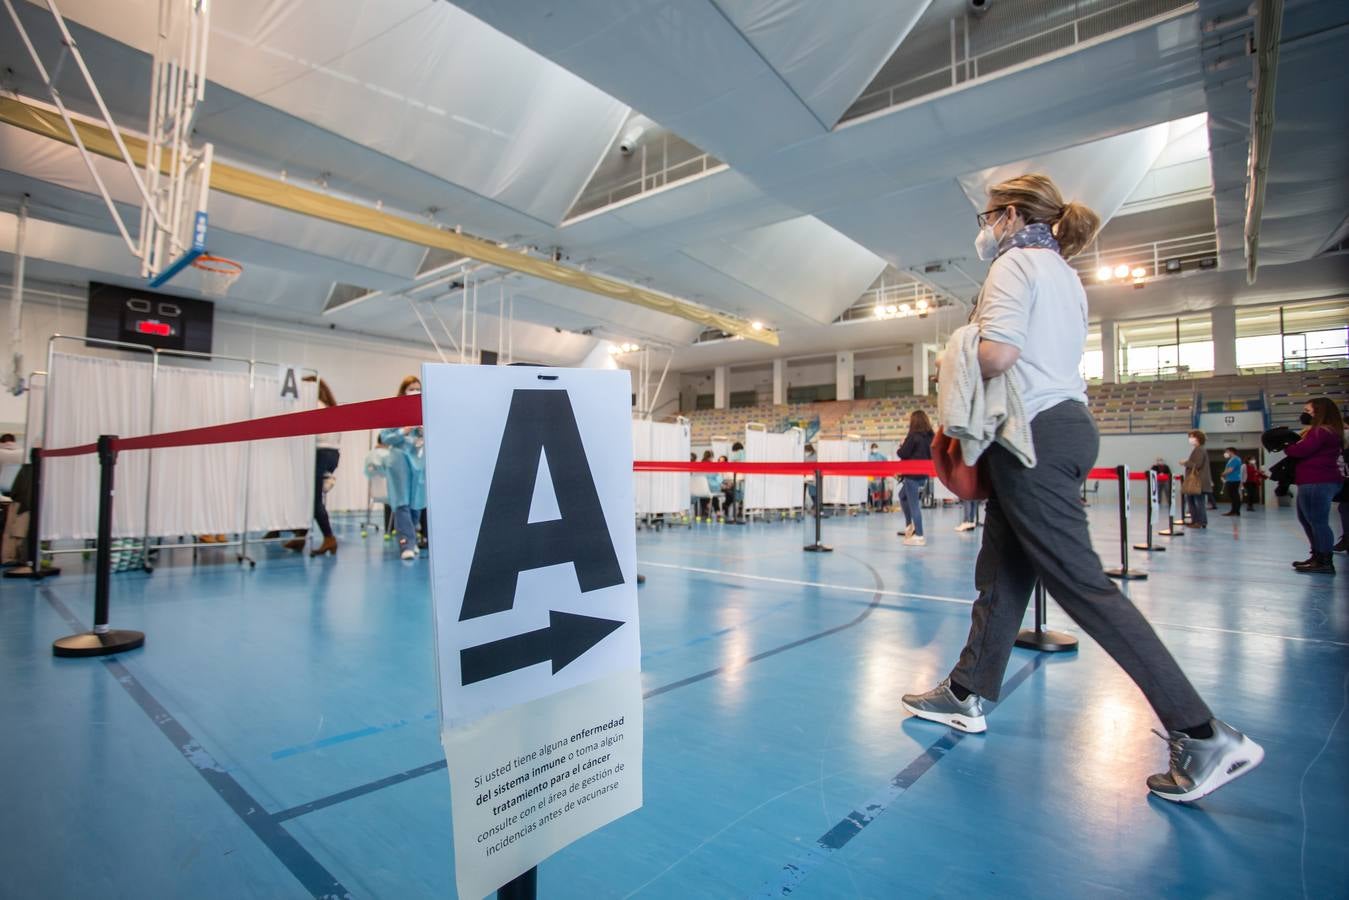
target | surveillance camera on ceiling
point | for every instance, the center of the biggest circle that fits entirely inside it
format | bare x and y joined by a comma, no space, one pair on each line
632,134
978,7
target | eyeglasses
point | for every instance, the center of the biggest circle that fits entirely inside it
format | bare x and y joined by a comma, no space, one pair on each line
985,217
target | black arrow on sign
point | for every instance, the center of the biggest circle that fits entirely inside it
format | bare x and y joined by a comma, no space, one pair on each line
565,639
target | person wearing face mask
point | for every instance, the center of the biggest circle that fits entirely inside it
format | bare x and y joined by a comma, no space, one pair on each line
1232,475
1318,479
1198,480
1032,321
406,475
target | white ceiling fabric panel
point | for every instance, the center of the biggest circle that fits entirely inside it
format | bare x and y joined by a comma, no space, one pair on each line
681,62
421,81
827,52
59,166
1307,194
802,263
1101,174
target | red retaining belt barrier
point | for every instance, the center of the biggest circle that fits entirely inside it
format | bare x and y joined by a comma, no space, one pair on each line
399,412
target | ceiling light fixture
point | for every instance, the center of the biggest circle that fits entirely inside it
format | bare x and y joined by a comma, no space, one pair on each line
1104,273
1121,271
756,325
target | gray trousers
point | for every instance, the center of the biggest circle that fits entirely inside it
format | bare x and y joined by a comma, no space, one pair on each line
1035,527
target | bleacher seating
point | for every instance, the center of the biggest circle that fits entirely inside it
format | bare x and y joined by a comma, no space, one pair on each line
1135,407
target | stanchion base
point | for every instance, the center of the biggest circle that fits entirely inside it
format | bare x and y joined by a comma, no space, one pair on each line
1127,575
817,548
27,572
1172,532
92,644
1150,548
1046,641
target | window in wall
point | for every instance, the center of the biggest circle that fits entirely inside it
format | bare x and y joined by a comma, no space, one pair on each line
743,398
705,401
1293,338
1092,366
887,387
815,393
1174,347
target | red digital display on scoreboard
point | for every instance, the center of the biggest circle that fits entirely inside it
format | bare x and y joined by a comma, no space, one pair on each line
150,326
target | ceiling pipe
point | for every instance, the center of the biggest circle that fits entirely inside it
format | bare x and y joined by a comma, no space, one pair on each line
270,191
1268,30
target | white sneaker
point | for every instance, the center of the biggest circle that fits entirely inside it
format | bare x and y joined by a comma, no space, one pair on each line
409,554
908,530
915,540
965,526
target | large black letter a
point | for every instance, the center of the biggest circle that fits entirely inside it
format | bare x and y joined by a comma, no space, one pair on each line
508,544
288,386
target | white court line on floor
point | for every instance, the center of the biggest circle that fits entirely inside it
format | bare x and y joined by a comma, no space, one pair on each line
818,584
940,599
1268,634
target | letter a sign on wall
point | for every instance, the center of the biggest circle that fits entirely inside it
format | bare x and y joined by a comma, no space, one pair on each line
533,575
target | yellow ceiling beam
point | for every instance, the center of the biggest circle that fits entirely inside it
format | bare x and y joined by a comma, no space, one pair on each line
273,192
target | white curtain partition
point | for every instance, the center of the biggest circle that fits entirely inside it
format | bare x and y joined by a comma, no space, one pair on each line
837,489
197,490
773,491
660,492
351,492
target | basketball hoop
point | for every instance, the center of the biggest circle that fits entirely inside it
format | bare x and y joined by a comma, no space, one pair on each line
217,273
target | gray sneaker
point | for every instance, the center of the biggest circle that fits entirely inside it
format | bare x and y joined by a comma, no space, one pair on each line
1200,767
940,705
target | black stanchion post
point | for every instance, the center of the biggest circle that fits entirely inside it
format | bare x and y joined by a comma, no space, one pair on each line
1040,637
818,547
1123,573
522,887
102,640
1174,526
33,545
1153,497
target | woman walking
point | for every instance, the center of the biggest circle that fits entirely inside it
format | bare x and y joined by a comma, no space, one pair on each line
1318,479
1032,319
326,457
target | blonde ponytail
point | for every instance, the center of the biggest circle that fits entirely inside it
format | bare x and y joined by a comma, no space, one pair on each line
1074,228
1037,198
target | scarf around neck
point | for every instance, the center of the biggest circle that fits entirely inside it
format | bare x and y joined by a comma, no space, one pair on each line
1036,234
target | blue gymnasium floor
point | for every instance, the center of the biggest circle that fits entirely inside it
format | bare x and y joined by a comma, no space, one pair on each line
276,737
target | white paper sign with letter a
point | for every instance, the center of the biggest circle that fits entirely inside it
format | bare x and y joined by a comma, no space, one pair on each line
534,583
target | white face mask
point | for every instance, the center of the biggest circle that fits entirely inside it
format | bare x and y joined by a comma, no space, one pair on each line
413,392
1194,442
986,243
